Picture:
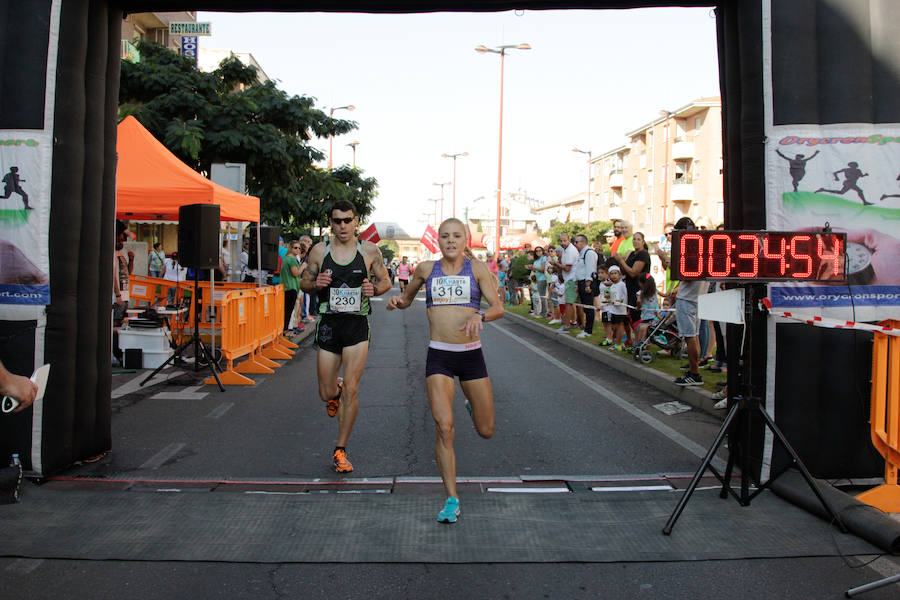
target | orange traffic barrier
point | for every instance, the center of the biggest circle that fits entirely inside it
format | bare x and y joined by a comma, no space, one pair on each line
148,289
207,299
271,320
239,337
884,418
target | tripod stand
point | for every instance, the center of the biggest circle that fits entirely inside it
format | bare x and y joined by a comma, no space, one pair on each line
737,428
200,350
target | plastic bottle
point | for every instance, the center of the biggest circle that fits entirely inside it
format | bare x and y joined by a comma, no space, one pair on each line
15,460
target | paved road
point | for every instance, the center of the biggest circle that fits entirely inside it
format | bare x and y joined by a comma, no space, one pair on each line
559,415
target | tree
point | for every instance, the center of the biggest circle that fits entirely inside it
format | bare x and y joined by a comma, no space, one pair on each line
594,231
389,249
228,116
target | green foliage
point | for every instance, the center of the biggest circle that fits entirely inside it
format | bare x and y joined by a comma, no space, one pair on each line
517,270
227,116
594,232
389,249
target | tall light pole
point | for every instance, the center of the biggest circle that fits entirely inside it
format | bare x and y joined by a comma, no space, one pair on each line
331,137
454,156
588,199
435,213
354,145
501,50
442,198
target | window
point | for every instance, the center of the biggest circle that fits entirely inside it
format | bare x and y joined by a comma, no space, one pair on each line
698,121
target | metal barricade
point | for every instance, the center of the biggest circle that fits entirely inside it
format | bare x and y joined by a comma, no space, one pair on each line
884,418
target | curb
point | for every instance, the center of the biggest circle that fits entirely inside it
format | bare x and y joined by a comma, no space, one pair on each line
700,399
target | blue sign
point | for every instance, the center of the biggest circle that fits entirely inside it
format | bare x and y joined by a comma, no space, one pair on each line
190,47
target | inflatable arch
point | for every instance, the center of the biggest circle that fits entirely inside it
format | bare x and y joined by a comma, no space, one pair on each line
815,62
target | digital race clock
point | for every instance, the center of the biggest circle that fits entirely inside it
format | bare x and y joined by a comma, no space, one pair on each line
759,255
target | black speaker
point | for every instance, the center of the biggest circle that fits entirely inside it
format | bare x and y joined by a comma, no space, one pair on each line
198,236
269,247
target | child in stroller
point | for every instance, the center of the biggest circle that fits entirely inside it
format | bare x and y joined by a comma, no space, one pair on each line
661,332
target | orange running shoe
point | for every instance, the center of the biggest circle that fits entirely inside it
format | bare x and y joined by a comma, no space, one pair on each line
341,464
331,406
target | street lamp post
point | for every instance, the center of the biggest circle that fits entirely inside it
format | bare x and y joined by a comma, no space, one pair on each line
453,156
501,50
588,199
331,137
435,213
354,145
442,197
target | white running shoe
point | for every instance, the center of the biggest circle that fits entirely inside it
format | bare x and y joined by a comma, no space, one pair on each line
582,335
554,322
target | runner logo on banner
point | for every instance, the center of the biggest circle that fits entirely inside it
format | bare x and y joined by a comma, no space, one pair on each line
23,204
847,176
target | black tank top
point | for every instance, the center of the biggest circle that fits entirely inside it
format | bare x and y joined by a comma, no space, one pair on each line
346,281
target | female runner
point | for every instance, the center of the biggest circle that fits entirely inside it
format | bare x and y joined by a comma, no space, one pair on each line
454,287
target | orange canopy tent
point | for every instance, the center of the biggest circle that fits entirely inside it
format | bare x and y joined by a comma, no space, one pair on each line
151,182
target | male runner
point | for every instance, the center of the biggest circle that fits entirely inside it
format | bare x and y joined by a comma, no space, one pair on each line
338,273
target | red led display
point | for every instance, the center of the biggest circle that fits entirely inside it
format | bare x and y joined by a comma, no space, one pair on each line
759,255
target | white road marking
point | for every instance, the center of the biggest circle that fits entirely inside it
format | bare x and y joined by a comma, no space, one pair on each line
219,410
158,459
188,393
688,444
540,490
633,488
24,566
135,383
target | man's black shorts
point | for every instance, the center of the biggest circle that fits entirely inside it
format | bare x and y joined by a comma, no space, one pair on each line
336,332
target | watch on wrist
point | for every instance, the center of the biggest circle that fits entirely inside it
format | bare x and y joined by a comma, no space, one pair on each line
481,312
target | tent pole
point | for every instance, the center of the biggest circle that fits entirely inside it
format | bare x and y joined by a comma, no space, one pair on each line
258,255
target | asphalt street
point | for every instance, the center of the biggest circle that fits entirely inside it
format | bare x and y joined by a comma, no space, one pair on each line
560,416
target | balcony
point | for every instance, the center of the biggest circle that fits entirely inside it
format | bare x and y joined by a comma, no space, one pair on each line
682,149
615,178
682,191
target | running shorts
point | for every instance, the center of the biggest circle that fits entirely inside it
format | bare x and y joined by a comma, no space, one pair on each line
336,332
455,362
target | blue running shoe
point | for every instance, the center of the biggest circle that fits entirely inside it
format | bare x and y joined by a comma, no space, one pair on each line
451,511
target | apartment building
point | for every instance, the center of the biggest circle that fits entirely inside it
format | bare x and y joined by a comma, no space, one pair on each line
517,215
668,168
153,27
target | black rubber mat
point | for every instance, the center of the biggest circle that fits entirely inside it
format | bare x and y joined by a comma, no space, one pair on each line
284,528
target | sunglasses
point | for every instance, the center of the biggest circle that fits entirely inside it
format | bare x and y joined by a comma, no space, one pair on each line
345,220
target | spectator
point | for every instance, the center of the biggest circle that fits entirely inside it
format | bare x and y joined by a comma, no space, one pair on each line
18,388
309,305
512,286
157,261
501,281
173,272
557,295
585,281
622,242
665,240
618,312
567,267
634,267
649,303
123,265
222,271
539,268
687,294
601,301
246,277
290,279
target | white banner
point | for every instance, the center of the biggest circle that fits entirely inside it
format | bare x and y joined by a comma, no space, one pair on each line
24,216
846,175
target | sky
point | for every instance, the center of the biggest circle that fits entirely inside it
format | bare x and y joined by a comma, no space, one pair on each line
421,90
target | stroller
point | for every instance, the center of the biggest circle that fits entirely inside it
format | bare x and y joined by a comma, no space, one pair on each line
662,333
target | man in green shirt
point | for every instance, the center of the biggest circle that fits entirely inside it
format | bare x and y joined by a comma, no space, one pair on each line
290,279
